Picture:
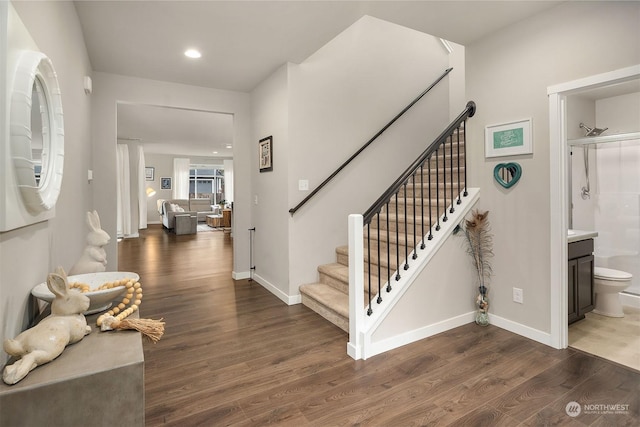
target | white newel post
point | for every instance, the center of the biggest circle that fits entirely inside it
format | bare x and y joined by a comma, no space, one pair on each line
356,286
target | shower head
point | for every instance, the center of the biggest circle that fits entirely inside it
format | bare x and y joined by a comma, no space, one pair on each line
592,131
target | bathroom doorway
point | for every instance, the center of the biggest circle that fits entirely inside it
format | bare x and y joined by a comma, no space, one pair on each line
593,185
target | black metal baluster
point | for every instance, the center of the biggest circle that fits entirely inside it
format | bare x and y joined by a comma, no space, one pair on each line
406,229
422,245
415,253
388,253
452,209
444,178
379,284
397,242
437,191
430,208
464,125
369,310
458,158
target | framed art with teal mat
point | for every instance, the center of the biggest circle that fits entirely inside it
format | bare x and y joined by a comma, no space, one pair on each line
508,139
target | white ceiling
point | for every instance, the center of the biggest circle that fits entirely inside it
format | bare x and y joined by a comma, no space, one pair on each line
177,131
243,42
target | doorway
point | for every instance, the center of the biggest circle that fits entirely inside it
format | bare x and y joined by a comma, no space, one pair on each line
561,126
162,134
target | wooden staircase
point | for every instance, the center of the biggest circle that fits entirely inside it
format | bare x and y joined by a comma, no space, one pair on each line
329,297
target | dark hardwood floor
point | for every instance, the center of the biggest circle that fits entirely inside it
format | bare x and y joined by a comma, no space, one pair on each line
234,354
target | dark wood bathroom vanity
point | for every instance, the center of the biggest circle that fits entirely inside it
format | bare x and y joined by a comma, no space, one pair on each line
581,268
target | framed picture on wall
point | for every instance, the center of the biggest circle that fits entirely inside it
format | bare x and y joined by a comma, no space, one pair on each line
265,154
165,183
508,139
149,173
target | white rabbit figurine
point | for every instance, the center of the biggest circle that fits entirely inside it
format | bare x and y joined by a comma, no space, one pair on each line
94,257
44,342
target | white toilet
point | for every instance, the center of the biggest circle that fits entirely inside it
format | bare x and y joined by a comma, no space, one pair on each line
608,284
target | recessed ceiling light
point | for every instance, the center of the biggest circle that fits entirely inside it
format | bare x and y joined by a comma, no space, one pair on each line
214,152
229,146
192,53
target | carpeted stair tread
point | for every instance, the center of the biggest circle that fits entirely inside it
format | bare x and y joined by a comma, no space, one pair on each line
401,218
335,270
327,301
393,239
343,250
409,202
337,276
330,296
342,253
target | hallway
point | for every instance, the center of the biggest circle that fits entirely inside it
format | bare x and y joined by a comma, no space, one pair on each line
234,354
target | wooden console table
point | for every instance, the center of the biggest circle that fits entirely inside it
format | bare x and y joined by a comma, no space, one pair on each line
226,218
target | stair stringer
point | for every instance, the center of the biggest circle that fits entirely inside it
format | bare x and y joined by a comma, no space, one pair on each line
361,326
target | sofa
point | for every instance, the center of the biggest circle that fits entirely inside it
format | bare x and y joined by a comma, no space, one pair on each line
168,209
203,207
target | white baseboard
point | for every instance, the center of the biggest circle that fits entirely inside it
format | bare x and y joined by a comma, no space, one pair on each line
520,329
409,337
295,299
418,334
130,236
354,351
239,275
630,300
287,299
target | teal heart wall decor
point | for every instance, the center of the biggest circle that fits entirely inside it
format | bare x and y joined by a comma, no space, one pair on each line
507,174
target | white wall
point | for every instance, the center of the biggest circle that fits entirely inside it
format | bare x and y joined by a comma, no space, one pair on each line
28,254
109,89
270,117
229,177
339,98
507,75
134,158
620,114
163,167
457,81
442,291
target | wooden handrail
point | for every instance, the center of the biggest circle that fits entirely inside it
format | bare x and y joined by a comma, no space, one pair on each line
366,144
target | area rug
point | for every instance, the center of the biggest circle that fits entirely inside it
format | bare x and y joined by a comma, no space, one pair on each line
204,228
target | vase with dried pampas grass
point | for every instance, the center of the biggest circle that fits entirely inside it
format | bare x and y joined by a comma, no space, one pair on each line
480,247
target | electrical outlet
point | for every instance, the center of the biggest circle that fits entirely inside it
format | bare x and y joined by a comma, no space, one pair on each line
518,295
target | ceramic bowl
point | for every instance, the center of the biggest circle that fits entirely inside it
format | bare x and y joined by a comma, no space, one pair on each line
99,300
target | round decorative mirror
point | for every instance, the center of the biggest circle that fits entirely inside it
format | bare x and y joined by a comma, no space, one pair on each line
37,131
